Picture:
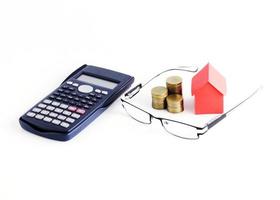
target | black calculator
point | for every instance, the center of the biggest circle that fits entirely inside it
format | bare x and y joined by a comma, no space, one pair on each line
81,98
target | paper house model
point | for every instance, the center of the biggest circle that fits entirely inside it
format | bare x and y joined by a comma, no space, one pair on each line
208,89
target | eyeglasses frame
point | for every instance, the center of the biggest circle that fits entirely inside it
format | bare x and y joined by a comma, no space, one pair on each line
200,130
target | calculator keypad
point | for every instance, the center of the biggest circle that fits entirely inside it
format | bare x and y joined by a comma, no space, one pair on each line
66,105
59,114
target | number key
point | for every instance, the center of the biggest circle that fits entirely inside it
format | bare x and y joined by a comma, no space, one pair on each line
41,105
68,113
47,101
71,120
30,114
37,110
38,116
64,124
50,108
55,103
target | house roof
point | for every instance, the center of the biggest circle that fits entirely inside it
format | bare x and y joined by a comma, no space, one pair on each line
209,75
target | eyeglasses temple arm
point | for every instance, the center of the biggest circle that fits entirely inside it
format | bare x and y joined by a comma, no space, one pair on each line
132,89
216,120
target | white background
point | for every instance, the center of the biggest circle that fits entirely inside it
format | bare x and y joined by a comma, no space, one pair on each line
41,42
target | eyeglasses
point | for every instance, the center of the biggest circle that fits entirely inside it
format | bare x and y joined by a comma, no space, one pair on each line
176,128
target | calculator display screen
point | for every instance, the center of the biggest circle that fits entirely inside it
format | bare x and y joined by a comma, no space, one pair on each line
97,81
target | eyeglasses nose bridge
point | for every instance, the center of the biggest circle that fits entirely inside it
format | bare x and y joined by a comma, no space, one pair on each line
153,117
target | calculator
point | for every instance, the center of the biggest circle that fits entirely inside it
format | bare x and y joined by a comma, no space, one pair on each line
80,99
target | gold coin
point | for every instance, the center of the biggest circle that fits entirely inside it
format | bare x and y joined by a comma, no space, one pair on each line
160,92
175,90
174,80
175,103
174,99
159,95
172,110
159,106
174,85
158,101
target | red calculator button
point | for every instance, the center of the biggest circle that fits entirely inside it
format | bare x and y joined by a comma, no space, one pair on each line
72,108
81,111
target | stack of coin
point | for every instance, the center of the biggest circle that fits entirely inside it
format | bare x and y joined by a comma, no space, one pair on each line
174,85
175,103
159,95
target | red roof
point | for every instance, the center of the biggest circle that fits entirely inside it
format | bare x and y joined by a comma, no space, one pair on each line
209,75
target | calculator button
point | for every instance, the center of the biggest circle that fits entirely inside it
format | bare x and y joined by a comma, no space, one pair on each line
75,103
72,108
72,102
64,124
76,99
41,105
74,93
38,116
86,106
55,103
37,110
94,99
75,84
90,103
81,111
64,106
52,97
58,98
87,97
60,90
65,87
67,92
65,112
71,88
47,101
69,82
85,89
69,97
75,115
45,112
99,96
65,100
30,114
92,94
56,121
78,104
61,117
71,120
52,114
56,94
58,110
105,92
97,91
50,108
84,101
47,119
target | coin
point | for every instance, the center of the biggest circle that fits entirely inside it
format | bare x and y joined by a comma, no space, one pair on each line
159,95
175,103
159,91
174,85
